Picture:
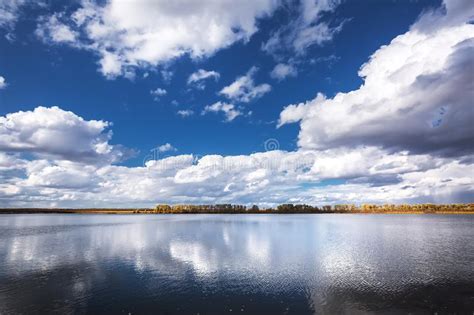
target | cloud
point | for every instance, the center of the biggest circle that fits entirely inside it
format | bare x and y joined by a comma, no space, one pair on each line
10,12
166,75
401,137
3,82
450,13
10,161
158,92
282,70
111,65
243,89
229,110
62,175
127,36
307,28
166,148
416,96
197,78
185,112
59,134
265,178
53,30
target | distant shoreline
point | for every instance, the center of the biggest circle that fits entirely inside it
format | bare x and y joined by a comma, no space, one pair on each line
239,209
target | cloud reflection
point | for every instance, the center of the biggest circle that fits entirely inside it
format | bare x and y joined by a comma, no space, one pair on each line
314,257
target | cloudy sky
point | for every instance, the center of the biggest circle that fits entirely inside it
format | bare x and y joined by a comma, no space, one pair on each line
130,103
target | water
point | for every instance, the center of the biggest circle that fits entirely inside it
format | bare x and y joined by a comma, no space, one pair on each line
245,264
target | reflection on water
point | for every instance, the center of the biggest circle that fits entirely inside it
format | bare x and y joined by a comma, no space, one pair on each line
214,264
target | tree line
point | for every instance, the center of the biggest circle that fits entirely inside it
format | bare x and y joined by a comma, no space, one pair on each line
304,208
464,208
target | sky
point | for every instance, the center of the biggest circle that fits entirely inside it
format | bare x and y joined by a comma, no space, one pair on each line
133,103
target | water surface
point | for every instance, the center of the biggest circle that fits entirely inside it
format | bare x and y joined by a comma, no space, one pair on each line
246,264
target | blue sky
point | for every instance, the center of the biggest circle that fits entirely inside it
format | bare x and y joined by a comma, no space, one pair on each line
105,67
62,76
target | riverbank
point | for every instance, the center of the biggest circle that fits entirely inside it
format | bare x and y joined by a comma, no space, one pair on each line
240,209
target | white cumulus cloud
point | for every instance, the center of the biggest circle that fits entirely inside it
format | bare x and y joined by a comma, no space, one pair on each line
417,96
59,134
166,148
158,92
128,35
185,112
243,89
282,70
10,12
197,78
53,30
370,175
229,110
304,31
